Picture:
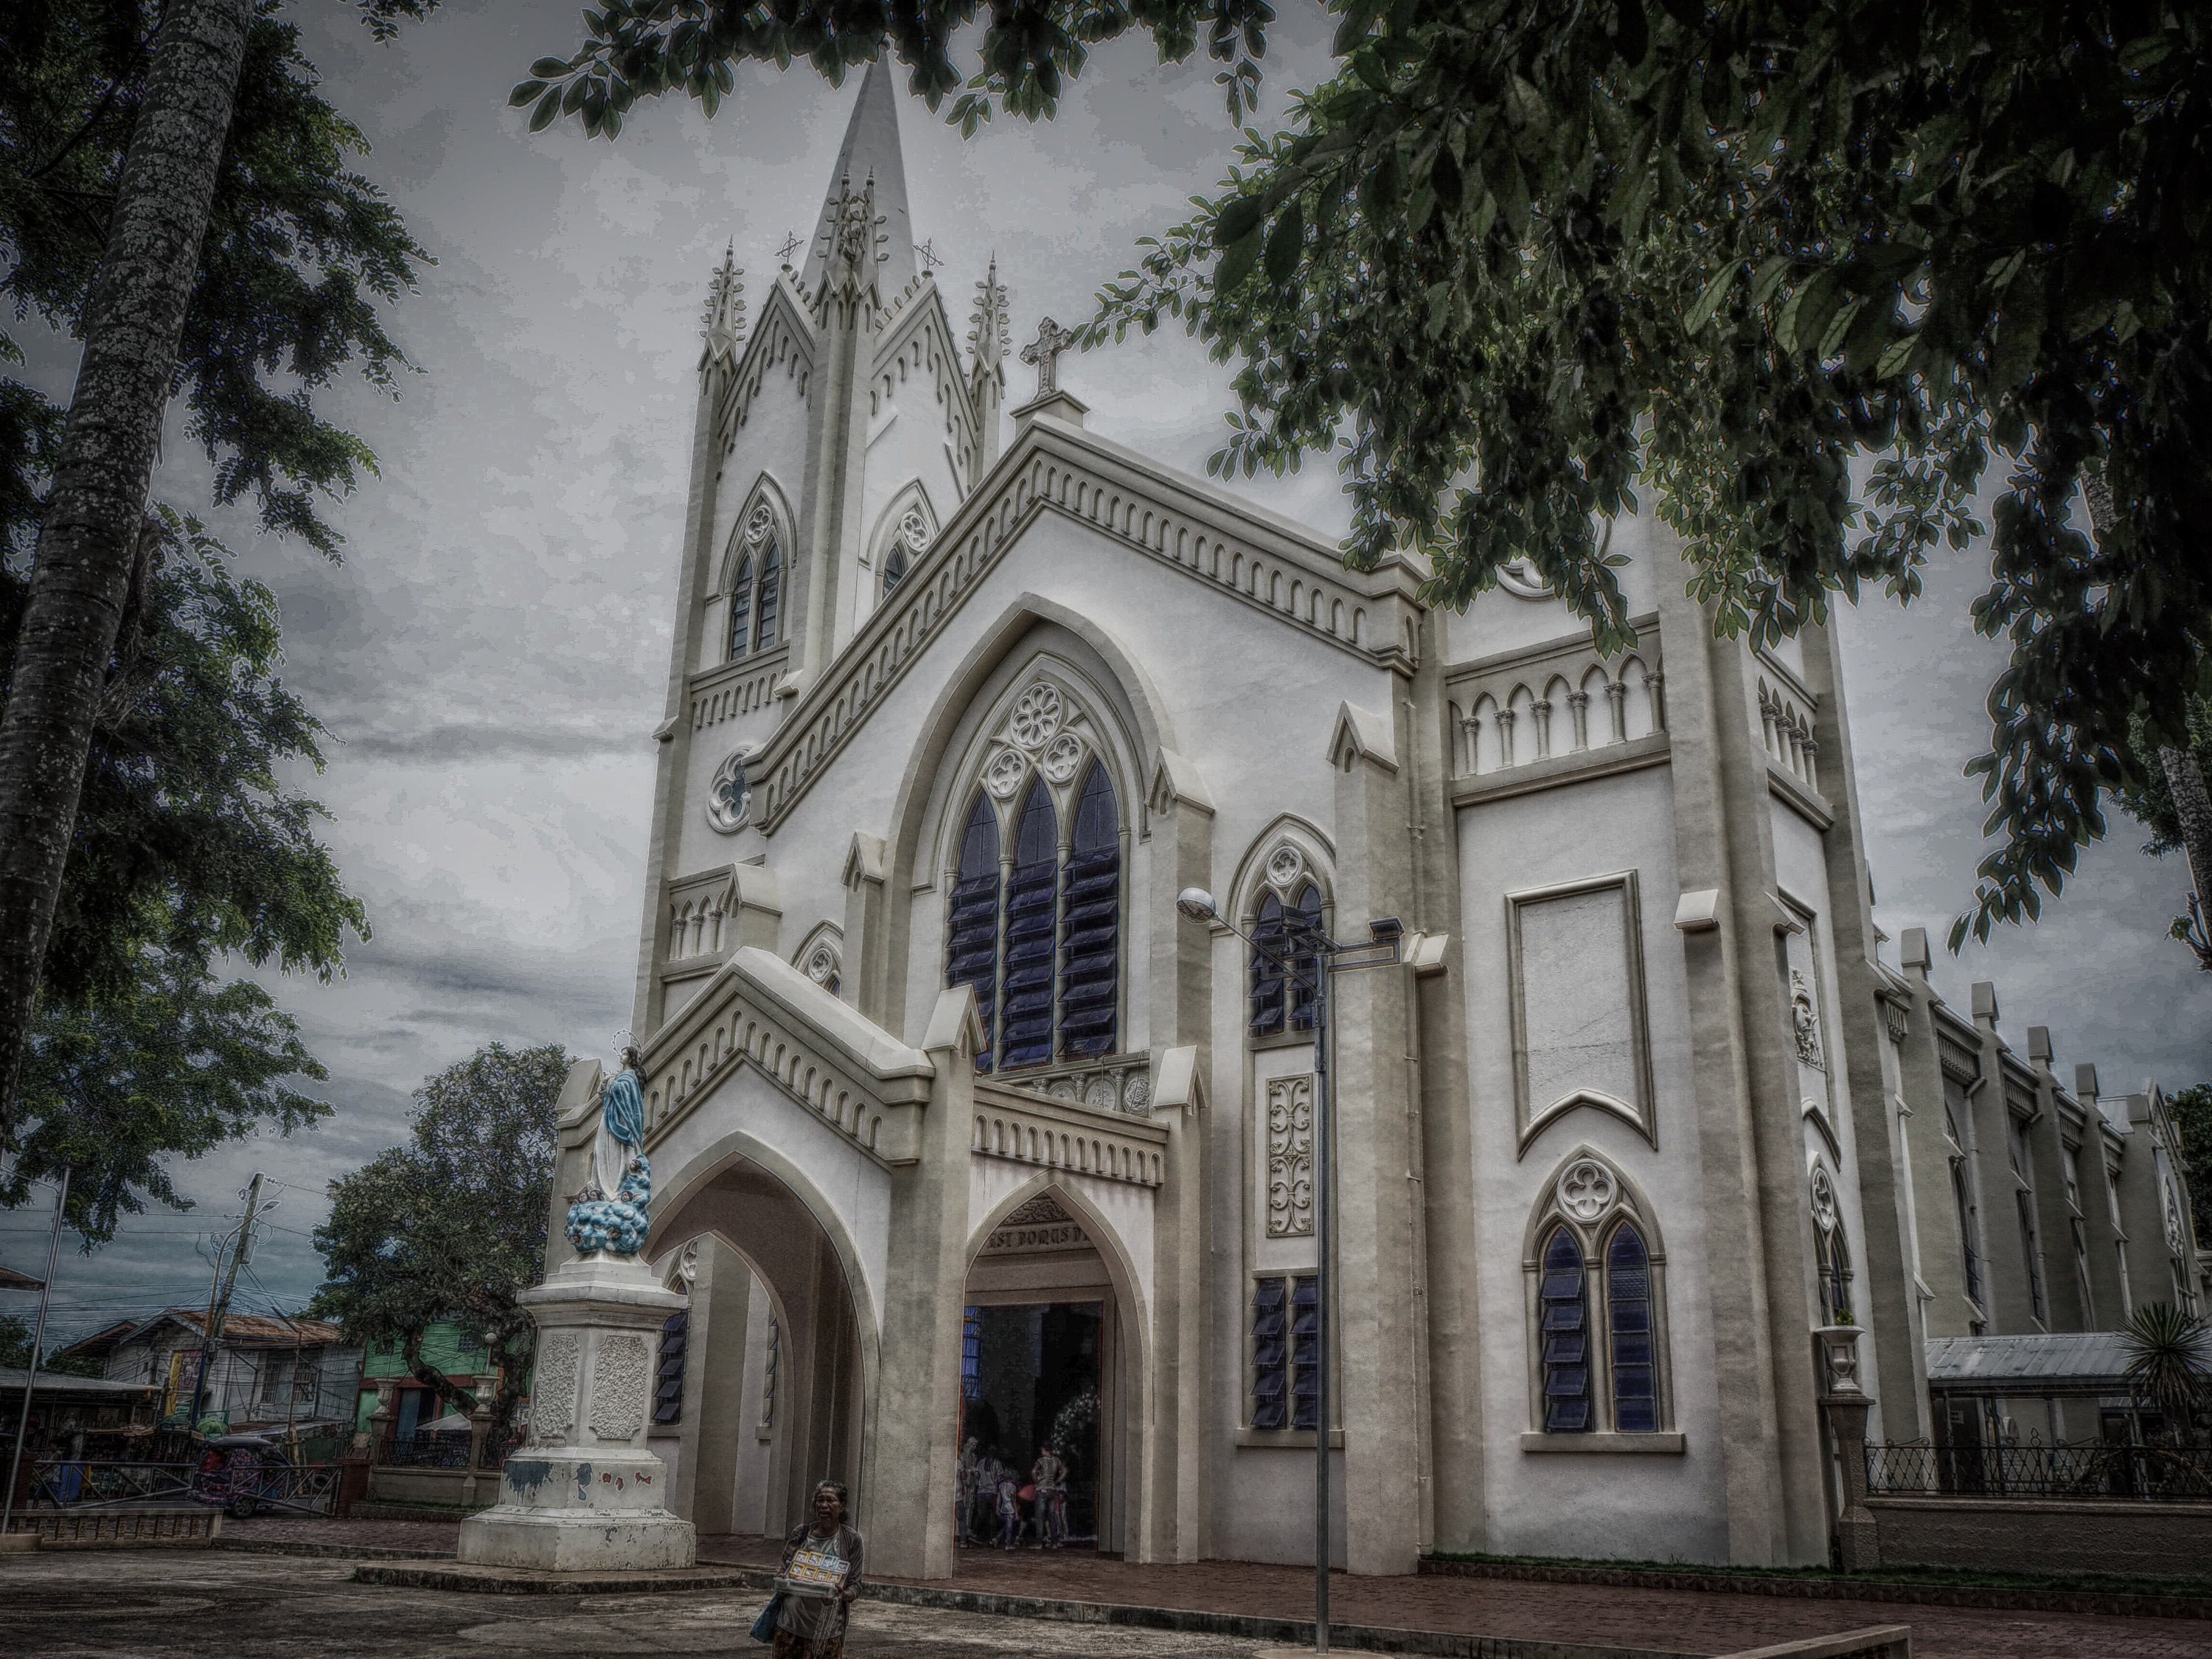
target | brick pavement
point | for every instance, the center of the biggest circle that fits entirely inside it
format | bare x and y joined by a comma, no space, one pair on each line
1688,1621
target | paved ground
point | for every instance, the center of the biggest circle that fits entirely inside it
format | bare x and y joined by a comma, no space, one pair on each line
1681,1621
173,1604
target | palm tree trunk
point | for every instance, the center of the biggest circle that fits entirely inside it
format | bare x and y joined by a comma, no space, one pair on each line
88,544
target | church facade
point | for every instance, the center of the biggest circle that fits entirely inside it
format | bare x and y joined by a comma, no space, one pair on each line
966,1143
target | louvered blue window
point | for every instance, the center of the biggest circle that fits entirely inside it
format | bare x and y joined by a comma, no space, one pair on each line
1091,923
771,593
741,609
971,928
1563,1299
1305,1353
1031,890
1285,1352
971,1355
1628,1309
1284,998
668,1374
1271,1405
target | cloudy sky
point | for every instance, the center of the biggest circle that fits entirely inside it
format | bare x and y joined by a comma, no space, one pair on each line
491,656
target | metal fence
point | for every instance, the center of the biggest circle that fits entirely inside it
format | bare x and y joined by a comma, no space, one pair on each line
243,1487
2091,1469
446,1449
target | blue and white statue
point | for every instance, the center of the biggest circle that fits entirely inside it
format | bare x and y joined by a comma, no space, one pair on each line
617,1223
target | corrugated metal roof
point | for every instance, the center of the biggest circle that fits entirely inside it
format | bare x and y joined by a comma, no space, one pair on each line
2077,1359
12,1378
12,1281
252,1330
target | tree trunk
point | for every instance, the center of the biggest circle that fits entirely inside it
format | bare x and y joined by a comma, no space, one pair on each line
88,541
442,1388
2192,806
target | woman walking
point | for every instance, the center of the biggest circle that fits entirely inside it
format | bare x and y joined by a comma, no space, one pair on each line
823,1556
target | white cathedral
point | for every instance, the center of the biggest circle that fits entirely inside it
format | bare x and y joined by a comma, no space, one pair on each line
961,1132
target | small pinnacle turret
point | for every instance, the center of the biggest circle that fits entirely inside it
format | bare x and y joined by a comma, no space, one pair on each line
723,323
988,335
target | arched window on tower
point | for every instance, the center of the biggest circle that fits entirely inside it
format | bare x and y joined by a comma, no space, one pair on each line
741,609
767,605
1031,889
1091,923
971,932
1283,998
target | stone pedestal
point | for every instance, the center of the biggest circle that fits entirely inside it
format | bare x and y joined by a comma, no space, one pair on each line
585,1494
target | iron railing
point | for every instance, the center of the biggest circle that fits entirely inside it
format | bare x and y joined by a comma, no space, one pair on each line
243,1486
445,1448
2091,1469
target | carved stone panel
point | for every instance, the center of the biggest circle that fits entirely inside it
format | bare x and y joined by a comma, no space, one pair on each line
619,1386
1291,1157
553,1409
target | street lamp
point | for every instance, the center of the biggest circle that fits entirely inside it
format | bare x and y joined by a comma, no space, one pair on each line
1329,957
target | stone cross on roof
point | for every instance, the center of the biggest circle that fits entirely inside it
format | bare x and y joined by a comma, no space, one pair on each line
1043,353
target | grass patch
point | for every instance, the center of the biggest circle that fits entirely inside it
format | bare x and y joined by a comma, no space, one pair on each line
2097,1583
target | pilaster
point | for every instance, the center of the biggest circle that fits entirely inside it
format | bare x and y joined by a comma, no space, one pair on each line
1885,1300
674,732
1171,1527
907,1480
1375,1146
866,944
1709,861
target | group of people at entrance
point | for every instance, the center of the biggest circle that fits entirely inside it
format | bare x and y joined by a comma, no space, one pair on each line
993,1492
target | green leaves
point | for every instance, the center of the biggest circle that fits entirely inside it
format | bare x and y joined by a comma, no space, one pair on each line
1284,243
1710,301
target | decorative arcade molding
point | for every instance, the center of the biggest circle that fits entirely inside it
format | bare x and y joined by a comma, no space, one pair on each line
1023,1127
1281,569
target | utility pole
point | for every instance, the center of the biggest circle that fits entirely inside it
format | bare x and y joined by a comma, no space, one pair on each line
219,1309
38,1339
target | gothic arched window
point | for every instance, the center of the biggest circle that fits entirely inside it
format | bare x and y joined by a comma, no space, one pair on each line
971,947
1634,1352
1035,921
1283,999
1599,1306
1091,923
741,609
1564,1298
767,604
1031,889
908,544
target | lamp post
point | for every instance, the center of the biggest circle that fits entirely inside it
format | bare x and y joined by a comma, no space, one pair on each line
1329,958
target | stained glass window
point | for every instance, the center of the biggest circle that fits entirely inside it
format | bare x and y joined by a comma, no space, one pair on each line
668,1374
741,609
893,565
971,931
1027,1023
1628,1309
1090,923
1564,1325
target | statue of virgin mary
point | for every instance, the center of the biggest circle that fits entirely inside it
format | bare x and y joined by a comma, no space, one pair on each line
609,1213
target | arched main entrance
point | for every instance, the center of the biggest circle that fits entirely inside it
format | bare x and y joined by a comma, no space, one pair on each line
1052,1342
775,1368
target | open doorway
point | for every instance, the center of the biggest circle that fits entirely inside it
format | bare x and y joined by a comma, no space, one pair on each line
1030,1396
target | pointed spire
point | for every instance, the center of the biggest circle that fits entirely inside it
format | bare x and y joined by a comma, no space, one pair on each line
870,157
988,336
724,322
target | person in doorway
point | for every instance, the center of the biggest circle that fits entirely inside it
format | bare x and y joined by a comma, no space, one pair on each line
1010,1510
1050,1477
824,1553
972,1469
